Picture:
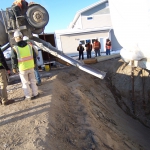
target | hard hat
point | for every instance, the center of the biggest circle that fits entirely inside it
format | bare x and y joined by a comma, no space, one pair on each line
17,33
25,38
80,43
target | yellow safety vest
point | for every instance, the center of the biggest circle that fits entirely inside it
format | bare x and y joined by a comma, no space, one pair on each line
25,57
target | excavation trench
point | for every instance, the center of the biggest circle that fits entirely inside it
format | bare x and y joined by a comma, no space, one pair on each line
77,111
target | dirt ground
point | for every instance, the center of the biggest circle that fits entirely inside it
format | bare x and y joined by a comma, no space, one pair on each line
75,111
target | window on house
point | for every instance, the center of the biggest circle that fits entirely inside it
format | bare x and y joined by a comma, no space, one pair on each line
83,42
93,40
88,41
89,18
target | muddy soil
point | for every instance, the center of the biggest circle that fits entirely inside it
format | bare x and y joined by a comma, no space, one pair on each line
75,111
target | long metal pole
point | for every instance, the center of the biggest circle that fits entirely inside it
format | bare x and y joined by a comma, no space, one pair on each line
46,46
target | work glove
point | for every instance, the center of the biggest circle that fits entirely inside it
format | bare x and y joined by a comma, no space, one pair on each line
14,70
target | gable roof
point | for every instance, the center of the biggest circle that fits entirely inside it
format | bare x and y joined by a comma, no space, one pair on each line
85,9
76,31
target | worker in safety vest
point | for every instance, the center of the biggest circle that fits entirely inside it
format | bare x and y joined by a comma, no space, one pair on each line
108,46
23,58
97,47
36,71
3,80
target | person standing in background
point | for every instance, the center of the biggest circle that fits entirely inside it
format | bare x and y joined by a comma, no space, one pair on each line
97,47
108,46
88,48
3,80
80,48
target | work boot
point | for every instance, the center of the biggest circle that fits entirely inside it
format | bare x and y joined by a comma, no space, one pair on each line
7,102
27,98
34,97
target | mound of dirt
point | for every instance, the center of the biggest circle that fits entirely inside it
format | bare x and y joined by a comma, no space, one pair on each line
75,111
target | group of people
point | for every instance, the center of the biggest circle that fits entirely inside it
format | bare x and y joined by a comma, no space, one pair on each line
24,62
96,46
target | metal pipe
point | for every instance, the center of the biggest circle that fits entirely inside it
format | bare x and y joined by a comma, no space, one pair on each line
5,47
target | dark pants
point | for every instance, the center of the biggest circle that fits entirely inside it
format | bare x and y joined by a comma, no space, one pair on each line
88,54
81,54
107,51
97,52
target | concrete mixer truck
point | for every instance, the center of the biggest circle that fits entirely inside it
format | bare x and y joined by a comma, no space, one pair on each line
33,22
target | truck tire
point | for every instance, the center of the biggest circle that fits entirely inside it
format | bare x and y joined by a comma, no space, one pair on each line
37,16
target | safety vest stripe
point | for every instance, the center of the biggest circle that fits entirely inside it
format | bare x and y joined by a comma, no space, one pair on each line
25,59
108,47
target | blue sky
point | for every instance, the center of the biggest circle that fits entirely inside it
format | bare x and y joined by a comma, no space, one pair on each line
61,12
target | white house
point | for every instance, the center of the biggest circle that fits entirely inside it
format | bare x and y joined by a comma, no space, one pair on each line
88,23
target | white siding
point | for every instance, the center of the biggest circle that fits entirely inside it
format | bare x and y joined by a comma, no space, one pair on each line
70,42
78,24
98,21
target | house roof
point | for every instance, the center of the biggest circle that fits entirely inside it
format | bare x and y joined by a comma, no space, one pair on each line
85,9
76,31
